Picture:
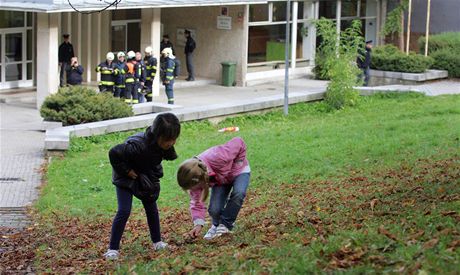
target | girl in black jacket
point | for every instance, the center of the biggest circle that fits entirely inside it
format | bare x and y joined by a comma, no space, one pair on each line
137,171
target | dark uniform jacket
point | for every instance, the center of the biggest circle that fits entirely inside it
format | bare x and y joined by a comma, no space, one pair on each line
144,157
364,59
74,75
65,52
190,45
168,44
150,63
108,73
167,70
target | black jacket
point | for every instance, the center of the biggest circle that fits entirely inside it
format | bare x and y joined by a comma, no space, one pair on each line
144,157
74,75
168,44
65,52
190,45
364,59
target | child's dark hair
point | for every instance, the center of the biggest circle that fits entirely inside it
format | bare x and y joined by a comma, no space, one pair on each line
166,126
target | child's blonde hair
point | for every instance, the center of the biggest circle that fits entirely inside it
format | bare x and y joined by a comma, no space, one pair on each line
191,173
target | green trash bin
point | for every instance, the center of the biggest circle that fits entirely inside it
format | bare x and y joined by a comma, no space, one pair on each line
228,73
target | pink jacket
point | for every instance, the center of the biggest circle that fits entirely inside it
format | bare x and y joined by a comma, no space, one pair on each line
224,163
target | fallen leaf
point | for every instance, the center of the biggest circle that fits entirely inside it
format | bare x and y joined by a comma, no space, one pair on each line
431,243
373,202
449,213
387,233
417,235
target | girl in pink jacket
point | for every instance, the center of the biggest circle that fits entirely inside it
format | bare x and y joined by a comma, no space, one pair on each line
225,169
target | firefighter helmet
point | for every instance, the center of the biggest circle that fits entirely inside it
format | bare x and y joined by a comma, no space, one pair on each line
131,55
120,54
167,52
110,56
148,50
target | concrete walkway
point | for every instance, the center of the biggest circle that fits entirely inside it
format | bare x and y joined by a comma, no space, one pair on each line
21,155
21,142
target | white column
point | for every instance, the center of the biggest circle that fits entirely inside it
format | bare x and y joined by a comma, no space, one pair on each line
383,17
88,68
47,46
312,10
150,36
295,8
244,52
338,15
377,27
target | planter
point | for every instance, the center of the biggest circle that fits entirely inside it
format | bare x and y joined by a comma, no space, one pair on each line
380,78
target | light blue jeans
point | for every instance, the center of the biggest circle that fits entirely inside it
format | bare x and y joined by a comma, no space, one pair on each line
226,201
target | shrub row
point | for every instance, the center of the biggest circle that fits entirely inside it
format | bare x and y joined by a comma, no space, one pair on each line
442,41
79,104
390,58
447,60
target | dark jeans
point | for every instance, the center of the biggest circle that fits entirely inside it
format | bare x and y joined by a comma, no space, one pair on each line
190,68
223,208
62,73
365,73
125,201
106,89
131,93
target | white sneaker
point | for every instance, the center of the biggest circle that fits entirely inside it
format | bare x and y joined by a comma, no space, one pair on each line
211,233
160,246
222,229
112,254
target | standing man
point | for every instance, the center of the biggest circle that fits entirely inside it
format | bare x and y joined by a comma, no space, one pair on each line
167,73
189,48
364,62
140,77
65,54
150,63
74,72
165,43
120,79
108,72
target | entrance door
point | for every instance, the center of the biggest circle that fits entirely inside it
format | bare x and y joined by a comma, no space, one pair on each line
126,35
13,61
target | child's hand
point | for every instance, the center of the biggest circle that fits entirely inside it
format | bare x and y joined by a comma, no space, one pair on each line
132,174
195,232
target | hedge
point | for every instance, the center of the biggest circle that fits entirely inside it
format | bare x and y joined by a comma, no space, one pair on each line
447,40
79,104
390,58
447,60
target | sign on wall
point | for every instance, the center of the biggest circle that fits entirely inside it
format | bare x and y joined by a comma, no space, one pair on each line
224,22
180,37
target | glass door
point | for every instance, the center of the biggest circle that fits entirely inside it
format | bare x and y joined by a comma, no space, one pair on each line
126,35
13,56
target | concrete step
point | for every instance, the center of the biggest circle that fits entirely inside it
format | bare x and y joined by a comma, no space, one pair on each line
20,96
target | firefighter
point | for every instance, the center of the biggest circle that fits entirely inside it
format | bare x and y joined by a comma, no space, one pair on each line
120,79
150,63
140,77
130,79
108,73
167,73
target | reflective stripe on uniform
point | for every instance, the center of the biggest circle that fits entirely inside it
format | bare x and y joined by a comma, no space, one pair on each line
135,101
148,78
129,80
127,100
170,70
150,95
170,77
107,83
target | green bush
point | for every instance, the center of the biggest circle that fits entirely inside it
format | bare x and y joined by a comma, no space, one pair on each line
79,104
390,58
447,60
442,41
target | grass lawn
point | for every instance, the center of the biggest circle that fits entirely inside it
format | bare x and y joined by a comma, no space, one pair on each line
374,188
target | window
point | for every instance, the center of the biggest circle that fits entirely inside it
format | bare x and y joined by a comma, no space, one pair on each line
11,19
258,13
328,9
349,8
126,14
279,11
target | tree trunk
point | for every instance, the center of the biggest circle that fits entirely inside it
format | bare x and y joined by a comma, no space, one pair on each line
401,34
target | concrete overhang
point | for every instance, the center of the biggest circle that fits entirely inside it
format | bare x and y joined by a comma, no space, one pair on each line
50,6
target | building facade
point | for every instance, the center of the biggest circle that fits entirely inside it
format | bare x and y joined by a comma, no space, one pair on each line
250,33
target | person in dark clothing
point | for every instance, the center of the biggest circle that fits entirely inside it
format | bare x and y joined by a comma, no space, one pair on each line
364,62
108,72
151,71
141,76
74,72
136,171
65,54
190,46
165,43
167,73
